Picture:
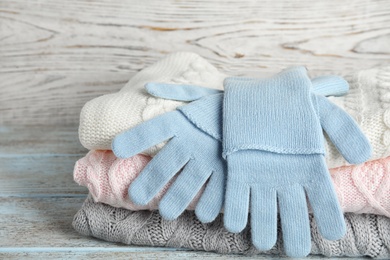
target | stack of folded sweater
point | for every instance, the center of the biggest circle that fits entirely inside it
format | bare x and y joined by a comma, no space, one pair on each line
108,213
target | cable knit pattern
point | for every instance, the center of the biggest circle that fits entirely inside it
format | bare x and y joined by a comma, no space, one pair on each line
104,117
363,188
108,179
368,102
367,235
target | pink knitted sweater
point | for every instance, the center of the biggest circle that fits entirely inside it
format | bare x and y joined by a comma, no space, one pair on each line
361,188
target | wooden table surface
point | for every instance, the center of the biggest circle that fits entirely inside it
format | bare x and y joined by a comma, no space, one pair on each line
56,55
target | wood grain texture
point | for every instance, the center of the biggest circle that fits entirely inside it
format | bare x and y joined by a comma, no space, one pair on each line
37,161
32,176
41,141
126,255
55,56
40,222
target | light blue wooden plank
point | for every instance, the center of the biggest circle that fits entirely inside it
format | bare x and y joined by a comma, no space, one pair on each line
39,176
129,249
171,255
44,141
43,196
39,155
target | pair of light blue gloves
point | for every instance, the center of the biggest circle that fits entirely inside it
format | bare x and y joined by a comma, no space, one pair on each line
259,147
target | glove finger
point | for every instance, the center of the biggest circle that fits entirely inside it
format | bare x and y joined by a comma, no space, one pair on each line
330,86
326,209
264,215
344,132
295,221
179,92
183,190
157,173
147,134
211,201
236,206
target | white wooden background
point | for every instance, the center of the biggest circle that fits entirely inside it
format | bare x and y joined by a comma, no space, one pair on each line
55,55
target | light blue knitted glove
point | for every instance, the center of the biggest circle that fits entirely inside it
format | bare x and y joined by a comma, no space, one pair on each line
274,147
199,152
285,172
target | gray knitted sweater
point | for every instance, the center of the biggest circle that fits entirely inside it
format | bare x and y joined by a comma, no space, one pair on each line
367,235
